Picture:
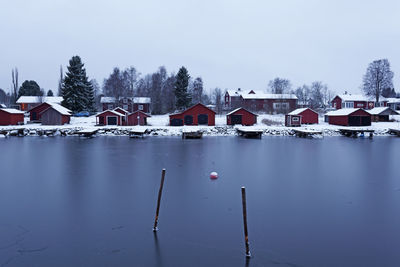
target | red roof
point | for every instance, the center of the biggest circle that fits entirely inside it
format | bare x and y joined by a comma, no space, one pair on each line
194,107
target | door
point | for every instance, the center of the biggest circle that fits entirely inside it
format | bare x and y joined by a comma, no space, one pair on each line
101,120
365,120
112,120
354,120
236,119
188,120
34,116
176,122
202,119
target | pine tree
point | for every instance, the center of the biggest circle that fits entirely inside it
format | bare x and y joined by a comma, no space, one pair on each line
183,98
77,91
50,93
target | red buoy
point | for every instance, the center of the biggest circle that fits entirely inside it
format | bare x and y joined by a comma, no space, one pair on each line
213,175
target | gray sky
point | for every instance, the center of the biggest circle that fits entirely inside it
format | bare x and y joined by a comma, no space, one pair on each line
228,43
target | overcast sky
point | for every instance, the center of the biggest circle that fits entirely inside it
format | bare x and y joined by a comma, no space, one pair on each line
228,43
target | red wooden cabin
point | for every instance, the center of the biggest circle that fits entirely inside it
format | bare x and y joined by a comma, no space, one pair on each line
110,117
301,116
55,115
10,116
35,112
241,116
137,118
195,115
349,117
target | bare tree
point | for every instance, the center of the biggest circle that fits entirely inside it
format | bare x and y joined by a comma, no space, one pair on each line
130,76
377,78
279,86
60,81
14,74
217,94
317,97
197,90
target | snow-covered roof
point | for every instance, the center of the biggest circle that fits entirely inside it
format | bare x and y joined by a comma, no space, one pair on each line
269,96
297,111
118,108
60,109
3,106
379,110
139,111
107,99
141,100
342,112
12,110
39,99
136,100
112,111
233,111
350,97
393,100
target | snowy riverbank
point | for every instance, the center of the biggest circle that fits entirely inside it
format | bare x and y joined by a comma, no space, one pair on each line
158,126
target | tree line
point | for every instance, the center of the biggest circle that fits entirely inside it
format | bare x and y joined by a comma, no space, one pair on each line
170,92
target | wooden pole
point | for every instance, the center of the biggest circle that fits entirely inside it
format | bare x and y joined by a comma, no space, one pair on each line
246,234
159,200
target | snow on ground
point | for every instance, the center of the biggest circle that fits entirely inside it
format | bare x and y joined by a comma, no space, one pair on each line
158,126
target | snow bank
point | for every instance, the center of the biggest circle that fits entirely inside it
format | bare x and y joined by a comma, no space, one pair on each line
158,126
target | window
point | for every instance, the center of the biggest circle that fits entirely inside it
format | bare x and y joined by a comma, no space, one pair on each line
360,105
277,105
125,107
110,106
349,104
281,105
140,107
125,101
295,119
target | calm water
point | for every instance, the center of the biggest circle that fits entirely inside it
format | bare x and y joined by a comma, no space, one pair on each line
91,202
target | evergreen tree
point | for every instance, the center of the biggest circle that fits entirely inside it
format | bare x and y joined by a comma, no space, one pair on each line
183,98
50,93
77,91
29,88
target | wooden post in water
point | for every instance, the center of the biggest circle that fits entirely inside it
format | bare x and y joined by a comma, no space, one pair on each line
246,234
159,200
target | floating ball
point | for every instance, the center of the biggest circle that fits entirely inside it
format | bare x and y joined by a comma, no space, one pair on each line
213,175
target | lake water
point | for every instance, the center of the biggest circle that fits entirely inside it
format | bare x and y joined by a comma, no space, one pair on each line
91,202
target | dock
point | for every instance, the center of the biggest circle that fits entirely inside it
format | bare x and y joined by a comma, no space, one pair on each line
87,133
304,133
394,132
249,133
354,132
136,133
13,132
192,134
49,132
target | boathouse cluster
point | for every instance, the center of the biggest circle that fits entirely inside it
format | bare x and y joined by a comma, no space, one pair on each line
241,109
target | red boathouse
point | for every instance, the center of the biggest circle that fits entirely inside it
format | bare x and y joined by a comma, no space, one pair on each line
55,115
137,118
241,116
35,112
110,117
195,115
349,117
301,116
10,116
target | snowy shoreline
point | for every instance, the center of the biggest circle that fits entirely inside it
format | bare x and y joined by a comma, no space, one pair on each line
159,127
